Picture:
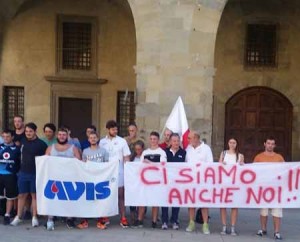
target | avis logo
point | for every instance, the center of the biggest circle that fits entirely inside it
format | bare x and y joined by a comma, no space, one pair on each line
66,190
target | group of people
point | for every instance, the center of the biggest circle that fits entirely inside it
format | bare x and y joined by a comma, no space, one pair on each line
19,148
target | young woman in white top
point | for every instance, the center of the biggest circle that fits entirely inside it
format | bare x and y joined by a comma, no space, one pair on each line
231,156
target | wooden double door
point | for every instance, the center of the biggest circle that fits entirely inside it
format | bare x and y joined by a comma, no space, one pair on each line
256,113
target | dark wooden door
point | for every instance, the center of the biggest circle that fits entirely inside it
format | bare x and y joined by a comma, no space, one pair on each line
255,113
75,113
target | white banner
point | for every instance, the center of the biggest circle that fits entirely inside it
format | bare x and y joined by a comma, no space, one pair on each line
259,185
71,188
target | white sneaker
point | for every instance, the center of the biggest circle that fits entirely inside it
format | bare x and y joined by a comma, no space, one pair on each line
175,226
16,221
164,226
35,221
50,225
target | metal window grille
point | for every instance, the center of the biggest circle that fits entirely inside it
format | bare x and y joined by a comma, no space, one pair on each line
261,45
13,104
125,111
77,46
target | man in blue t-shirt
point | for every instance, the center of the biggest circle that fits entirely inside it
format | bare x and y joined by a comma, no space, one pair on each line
9,166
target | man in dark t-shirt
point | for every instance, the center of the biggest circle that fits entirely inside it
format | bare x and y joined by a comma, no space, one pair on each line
19,132
174,154
31,147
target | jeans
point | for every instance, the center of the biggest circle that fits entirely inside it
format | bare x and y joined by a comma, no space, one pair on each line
165,215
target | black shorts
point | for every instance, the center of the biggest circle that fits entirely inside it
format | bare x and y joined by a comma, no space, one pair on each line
8,183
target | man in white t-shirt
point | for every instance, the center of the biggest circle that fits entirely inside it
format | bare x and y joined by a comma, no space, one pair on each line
118,151
153,154
198,152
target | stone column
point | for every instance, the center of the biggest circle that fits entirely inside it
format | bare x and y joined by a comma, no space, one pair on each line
175,57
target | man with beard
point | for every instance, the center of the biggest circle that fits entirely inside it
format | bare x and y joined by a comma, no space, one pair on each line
166,142
31,147
132,137
19,134
270,156
62,149
118,151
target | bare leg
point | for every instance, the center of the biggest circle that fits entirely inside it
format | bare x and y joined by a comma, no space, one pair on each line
21,203
204,214
263,222
234,214
276,221
121,202
191,213
9,206
33,204
154,214
223,216
141,213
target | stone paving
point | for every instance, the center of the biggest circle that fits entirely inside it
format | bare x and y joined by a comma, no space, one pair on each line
247,226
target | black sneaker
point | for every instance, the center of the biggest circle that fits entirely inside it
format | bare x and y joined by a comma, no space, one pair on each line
27,215
70,224
13,213
154,225
261,233
138,224
277,236
6,220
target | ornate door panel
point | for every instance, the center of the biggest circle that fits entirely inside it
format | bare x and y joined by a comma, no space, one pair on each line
255,113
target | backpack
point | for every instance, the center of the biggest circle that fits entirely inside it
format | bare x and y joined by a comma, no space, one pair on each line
199,218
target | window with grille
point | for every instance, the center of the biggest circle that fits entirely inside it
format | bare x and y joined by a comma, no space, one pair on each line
261,45
77,46
125,111
13,104
77,41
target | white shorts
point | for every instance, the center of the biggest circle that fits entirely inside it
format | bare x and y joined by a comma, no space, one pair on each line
121,179
276,212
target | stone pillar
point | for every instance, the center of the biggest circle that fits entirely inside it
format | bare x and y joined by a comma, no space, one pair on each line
175,57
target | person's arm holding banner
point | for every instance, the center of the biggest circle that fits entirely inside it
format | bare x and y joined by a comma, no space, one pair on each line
221,159
48,151
126,152
76,153
241,159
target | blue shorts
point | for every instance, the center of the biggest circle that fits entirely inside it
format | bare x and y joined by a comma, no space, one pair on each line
26,183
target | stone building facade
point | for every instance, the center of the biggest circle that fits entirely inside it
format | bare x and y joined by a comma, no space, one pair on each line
158,49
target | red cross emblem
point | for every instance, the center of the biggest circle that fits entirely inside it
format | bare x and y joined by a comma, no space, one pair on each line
6,155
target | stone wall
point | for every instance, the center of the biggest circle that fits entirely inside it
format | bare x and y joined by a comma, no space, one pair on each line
29,52
231,76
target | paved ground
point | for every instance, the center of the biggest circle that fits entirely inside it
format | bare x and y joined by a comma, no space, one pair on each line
247,226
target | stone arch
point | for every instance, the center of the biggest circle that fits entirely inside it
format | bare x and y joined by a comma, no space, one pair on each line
232,76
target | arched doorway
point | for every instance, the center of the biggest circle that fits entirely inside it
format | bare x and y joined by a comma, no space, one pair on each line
254,113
